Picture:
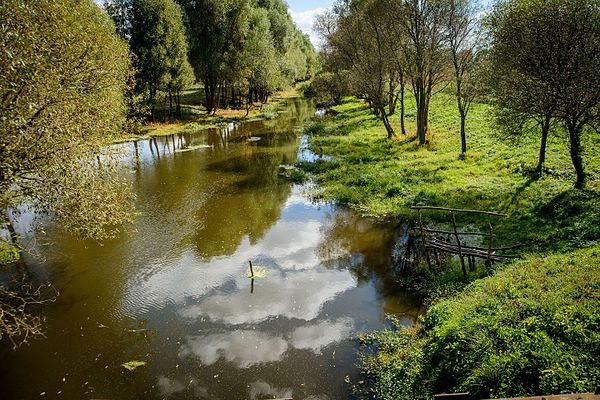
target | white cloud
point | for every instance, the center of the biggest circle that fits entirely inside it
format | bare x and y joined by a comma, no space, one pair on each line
305,20
242,347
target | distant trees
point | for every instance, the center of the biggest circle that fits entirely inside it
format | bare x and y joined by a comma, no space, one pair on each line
64,72
156,36
546,62
221,35
386,42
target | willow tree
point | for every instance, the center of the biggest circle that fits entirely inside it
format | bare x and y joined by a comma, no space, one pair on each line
426,57
259,58
64,71
358,44
157,38
547,53
216,31
462,40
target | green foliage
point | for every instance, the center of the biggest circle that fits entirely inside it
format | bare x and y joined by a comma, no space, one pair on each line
381,178
157,38
8,253
61,98
269,112
545,64
247,47
530,329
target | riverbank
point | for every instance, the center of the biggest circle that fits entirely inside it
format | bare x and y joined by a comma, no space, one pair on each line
194,116
382,178
557,226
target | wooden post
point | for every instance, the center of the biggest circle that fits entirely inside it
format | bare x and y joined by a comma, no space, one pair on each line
251,271
491,241
462,260
424,240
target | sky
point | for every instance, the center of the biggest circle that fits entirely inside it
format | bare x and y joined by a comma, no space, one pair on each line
303,13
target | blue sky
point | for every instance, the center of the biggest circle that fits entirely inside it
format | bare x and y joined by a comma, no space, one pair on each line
303,13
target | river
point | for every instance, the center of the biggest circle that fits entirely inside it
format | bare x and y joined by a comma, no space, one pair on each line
172,290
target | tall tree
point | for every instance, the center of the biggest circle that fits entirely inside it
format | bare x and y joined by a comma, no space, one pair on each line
61,97
358,42
549,51
157,38
216,31
424,22
463,43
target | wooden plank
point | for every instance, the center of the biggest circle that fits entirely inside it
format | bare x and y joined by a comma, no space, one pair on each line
428,230
454,396
576,396
494,250
460,210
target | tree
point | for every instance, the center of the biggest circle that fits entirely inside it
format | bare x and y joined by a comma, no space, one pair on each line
216,31
259,58
423,22
64,72
157,38
357,40
550,50
463,45
61,92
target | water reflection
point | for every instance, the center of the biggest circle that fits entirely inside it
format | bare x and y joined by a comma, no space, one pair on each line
207,331
241,347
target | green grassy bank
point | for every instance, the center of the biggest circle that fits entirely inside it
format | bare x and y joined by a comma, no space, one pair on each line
532,328
528,328
194,115
381,178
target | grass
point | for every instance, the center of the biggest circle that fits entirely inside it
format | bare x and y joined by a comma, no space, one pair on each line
532,328
527,328
195,117
381,178
8,253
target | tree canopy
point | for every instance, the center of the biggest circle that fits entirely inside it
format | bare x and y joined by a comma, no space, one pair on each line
61,92
546,64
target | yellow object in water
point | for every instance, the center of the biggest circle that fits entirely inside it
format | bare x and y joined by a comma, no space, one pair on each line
260,271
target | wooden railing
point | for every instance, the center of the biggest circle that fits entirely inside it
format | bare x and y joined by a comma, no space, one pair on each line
458,247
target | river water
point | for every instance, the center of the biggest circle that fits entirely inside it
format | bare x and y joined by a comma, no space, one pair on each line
172,291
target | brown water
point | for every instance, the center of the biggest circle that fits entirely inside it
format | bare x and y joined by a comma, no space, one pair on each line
172,291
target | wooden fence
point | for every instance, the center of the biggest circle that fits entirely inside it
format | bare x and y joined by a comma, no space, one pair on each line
432,240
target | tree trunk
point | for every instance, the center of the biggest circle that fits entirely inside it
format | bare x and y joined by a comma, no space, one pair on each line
575,141
392,98
542,159
402,106
210,89
421,117
170,102
463,135
386,123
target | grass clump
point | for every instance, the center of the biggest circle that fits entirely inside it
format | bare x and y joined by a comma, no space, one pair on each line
530,329
9,253
269,112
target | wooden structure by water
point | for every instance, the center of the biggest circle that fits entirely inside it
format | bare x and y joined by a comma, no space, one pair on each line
433,239
576,396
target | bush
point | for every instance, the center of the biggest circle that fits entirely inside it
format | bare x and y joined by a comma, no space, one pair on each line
269,112
530,329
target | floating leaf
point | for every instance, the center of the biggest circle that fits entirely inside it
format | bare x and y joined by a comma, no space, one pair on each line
260,271
132,365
